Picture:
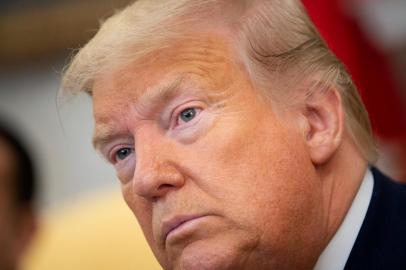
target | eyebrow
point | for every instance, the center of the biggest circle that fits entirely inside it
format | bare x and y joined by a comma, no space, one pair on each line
161,93
104,134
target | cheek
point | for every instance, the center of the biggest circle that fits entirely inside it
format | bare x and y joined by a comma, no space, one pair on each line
236,155
257,171
143,213
140,208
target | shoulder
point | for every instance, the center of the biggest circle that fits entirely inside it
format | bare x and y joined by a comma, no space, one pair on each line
381,242
389,195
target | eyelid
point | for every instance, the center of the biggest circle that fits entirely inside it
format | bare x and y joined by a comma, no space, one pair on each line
176,112
114,154
110,150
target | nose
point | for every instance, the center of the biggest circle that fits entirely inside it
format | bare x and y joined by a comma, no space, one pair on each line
156,172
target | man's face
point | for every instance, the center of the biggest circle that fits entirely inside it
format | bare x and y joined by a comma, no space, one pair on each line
216,179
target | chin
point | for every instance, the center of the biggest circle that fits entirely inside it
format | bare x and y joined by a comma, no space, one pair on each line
213,254
202,256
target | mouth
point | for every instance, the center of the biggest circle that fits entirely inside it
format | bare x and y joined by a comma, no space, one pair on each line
176,224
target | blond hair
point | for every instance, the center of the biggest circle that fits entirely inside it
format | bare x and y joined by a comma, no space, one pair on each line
274,39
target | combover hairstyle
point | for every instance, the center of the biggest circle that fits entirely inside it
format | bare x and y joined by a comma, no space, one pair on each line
275,41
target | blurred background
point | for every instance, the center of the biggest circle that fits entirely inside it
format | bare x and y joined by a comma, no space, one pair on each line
36,40
83,220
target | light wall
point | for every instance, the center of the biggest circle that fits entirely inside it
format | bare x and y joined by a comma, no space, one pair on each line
60,138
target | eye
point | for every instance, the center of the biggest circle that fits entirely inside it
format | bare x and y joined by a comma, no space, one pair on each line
187,115
122,153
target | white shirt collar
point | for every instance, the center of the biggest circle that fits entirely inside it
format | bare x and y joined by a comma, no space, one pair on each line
336,254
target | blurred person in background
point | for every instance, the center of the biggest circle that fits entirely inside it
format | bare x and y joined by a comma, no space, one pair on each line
17,209
243,145
367,35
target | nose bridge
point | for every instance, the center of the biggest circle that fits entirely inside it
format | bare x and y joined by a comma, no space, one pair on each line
155,173
147,146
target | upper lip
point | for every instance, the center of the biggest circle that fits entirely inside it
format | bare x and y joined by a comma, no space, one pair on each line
173,223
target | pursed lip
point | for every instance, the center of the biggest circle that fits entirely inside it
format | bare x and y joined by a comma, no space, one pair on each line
175,222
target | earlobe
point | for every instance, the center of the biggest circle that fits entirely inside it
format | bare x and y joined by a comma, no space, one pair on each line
324,124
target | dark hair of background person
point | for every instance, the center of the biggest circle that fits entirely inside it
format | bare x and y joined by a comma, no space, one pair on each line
25,182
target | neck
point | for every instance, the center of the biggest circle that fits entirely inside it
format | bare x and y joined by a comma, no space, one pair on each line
341,177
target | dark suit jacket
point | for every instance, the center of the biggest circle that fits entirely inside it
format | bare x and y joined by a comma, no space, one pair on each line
381,242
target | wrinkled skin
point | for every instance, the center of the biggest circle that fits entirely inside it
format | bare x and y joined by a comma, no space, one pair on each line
235,168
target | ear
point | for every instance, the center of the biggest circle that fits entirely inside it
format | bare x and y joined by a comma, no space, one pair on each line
323,116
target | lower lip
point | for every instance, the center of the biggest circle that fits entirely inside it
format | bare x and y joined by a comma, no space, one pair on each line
184,228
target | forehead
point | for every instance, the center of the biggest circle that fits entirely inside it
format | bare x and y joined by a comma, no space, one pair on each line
208,58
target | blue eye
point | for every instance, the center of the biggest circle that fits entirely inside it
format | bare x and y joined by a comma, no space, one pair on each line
188,114
123,153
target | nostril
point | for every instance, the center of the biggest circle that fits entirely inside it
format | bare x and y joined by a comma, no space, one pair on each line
161,189
165,186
